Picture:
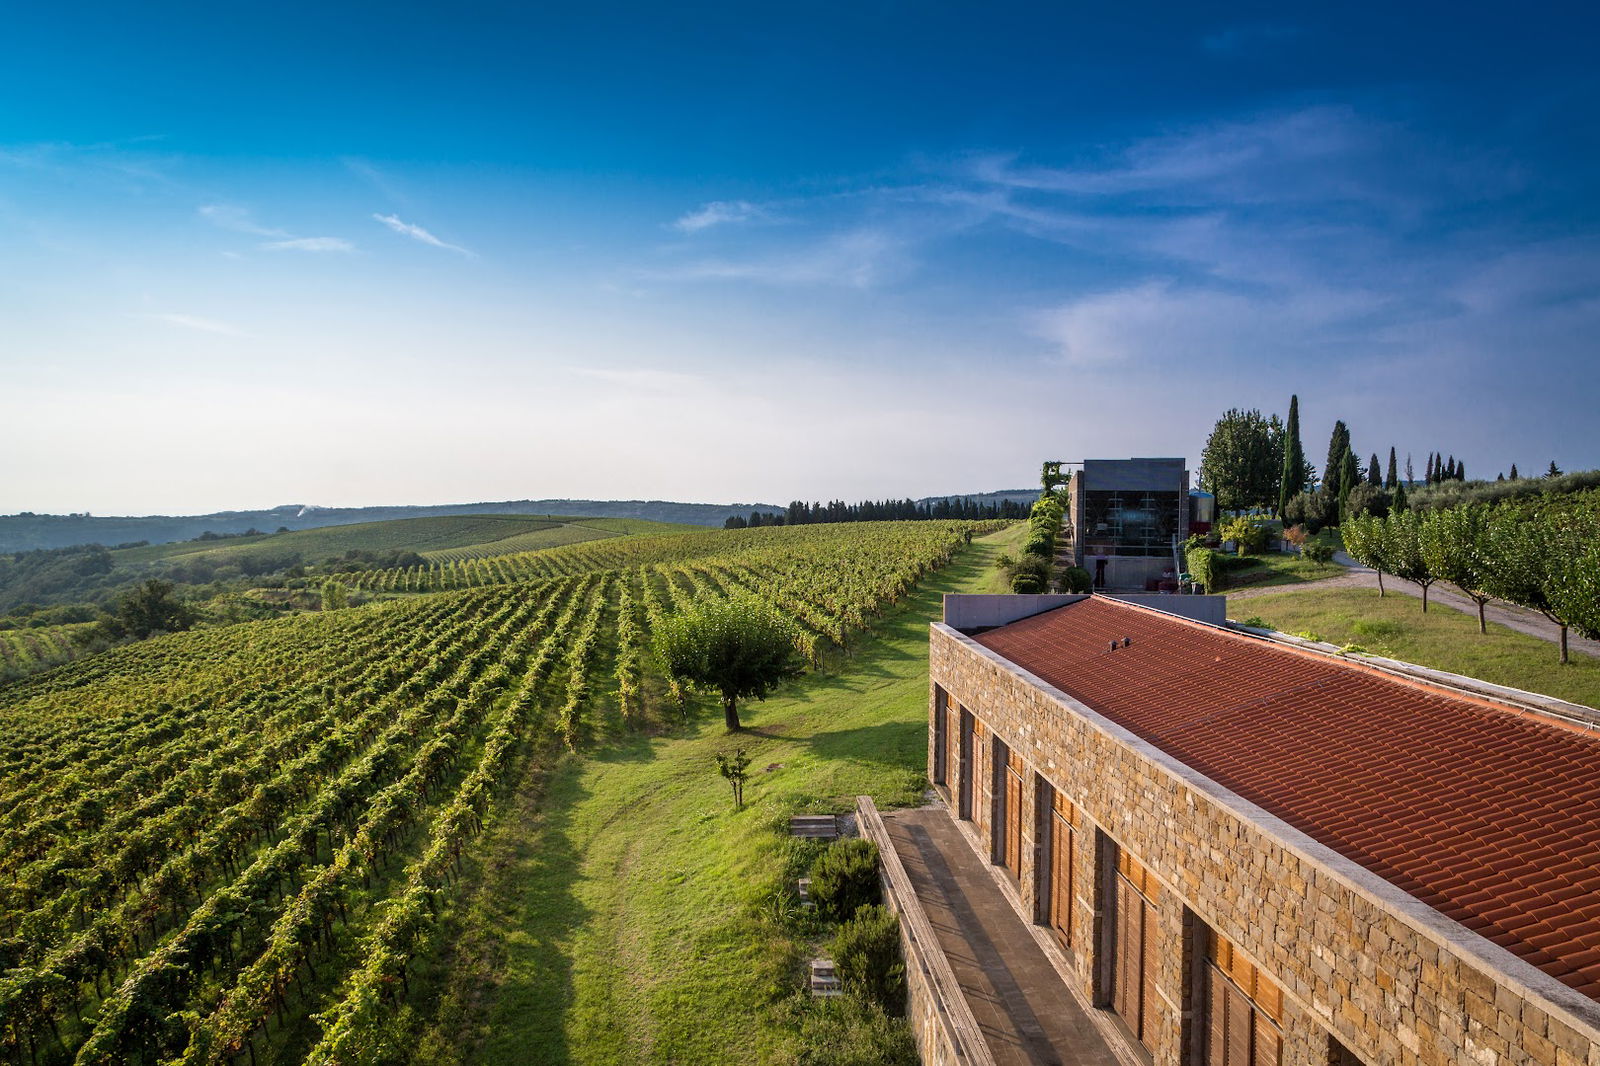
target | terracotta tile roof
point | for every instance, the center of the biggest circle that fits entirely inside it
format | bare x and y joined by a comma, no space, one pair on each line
1489,816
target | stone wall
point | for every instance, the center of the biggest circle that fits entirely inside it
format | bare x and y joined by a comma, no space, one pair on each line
1358,960
947,1033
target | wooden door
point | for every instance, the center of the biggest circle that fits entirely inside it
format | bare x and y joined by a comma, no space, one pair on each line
941,742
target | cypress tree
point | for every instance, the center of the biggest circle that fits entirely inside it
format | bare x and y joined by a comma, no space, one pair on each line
1293,479
1374,478
1399,503
1393,477
1427,475
1338,444
1513,471
1461,471
1349,475
1449,469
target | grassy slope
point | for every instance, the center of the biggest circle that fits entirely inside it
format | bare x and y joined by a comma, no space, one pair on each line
417,534
572,532
615,920
1443,639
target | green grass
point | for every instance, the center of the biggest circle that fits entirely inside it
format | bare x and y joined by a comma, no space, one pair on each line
571,532
617,917
1444,639
1278,568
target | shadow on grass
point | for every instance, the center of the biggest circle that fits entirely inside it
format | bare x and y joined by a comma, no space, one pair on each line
531,914
899,744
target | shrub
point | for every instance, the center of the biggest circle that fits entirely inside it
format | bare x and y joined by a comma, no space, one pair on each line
1296,537
1026,583
1248,537
1076,579
1317,551
1039,544
845,877
1255,621
1366,499
848,1032
1307,509
866,953
1203,568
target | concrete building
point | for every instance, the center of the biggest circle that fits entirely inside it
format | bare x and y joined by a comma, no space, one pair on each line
1237,852
1127,516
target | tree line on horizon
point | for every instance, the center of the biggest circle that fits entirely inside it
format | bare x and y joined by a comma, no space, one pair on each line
957,508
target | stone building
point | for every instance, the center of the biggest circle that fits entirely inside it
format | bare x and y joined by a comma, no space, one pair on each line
1243,852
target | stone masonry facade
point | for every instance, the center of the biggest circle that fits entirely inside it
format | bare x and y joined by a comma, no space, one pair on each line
1366,972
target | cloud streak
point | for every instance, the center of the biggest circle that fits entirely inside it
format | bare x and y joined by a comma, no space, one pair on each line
198,324
310,244
417,233
719,213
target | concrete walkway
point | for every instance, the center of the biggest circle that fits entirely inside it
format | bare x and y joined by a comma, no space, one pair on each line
1509,615
1027,1016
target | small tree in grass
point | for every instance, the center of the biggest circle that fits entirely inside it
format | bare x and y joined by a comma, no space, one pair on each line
736,768
1364,542
1453,549
1402,548
738,648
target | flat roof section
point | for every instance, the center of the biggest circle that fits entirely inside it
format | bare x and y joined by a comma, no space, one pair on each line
1489,816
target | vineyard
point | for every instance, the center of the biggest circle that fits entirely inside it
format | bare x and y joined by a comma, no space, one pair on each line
231,845
26,650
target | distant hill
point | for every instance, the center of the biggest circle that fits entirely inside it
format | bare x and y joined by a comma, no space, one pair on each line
27,531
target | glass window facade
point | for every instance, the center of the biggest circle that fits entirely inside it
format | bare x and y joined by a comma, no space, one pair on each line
1136,522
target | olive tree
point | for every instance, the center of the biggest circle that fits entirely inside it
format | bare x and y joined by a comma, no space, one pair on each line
738,648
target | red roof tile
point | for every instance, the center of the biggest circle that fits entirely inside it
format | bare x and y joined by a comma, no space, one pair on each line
1488,815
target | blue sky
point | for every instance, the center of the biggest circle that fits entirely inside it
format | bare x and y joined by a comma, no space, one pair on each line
348,254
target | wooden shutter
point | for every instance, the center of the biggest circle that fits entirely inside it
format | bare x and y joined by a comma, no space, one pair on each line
1150,966
1125,983
1216,1019
1244,1010
1269,1042
1062,841
1013,847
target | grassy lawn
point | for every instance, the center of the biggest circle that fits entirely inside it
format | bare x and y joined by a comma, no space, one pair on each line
624,915
1278,568
1395,626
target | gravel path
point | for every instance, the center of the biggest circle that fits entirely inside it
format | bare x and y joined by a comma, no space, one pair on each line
1520,619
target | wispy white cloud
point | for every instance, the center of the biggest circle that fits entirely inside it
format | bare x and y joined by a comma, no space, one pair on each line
242,220
717,213
310,244
857,259
195,322
238,219
417,233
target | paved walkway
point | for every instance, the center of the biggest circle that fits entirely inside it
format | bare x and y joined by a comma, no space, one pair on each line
1511,616
1027,1015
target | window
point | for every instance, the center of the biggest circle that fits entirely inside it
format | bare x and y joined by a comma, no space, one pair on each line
1132,522
1136,947
1244,1010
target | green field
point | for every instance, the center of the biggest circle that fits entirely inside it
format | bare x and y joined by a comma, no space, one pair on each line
571,531
24,651
1274,568
1395,627
251,831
